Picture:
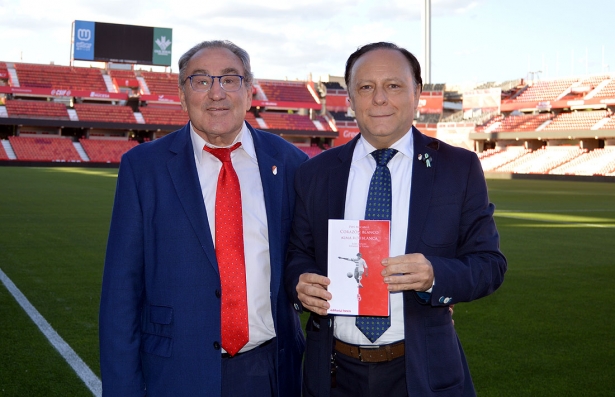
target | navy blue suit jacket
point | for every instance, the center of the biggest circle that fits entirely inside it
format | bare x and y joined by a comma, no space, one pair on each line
160,305
450,222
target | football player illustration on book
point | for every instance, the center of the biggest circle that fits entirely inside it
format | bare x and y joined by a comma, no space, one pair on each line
360,268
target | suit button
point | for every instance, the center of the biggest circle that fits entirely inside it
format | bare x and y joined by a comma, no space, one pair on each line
218,293
216,346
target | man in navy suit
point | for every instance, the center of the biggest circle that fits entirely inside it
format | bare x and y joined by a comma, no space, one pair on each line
444,243
160,312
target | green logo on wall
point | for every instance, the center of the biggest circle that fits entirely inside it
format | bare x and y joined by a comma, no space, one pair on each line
163,45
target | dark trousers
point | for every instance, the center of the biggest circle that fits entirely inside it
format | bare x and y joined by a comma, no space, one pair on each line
251,374
358,379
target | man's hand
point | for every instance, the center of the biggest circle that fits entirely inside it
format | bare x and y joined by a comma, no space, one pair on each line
313,294
408,272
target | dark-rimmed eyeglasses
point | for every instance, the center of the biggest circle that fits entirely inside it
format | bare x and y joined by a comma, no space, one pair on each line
204,82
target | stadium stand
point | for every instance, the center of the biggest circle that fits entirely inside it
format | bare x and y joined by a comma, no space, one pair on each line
542,160
251,119
582,120
545,90
286,121
608,90
161,83
105,113
44,149
106,151
60,77
168,115
500,158
563,126
124,79
3,155
599,161
286,91
609,125
36,109
513,123
429,118
311,151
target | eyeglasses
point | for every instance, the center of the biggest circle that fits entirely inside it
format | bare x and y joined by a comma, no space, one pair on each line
204,82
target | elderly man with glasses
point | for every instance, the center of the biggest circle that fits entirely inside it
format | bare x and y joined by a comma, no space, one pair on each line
192,301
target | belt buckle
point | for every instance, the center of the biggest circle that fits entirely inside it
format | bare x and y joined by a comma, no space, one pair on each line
360,349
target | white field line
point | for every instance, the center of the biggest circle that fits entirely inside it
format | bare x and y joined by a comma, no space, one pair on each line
76,363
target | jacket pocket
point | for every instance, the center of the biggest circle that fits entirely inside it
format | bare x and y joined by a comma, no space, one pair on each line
157,330
444,364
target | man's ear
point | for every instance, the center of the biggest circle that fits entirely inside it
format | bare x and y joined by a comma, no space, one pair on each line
350,101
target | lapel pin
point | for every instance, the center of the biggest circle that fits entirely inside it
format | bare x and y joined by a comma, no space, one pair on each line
425,159
274,169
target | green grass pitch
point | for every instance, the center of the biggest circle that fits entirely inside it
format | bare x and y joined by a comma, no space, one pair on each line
548,331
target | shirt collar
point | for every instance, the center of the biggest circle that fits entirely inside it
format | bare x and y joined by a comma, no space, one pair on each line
244,136
404,145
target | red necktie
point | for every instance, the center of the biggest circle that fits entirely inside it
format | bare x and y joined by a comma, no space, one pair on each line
230,255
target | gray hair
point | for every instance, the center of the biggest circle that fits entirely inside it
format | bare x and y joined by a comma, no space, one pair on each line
240,52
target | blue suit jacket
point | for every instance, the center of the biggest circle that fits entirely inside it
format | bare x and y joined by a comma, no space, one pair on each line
160,306
450,222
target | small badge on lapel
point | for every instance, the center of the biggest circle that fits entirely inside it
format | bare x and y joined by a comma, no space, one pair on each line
425,159
274,170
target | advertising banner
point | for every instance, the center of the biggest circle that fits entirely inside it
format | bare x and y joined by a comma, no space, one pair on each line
163,41
84,40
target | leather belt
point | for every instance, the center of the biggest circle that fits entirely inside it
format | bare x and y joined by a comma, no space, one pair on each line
365,354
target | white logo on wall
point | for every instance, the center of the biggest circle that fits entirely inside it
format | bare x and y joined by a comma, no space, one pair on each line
84,34
163,43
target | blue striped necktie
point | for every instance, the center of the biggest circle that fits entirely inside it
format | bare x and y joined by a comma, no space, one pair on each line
378,207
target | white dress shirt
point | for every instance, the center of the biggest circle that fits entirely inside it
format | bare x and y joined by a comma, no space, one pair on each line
255,232
361,171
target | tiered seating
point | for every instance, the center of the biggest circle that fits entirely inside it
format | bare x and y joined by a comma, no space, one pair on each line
106,151
124,78
609,125
36,109
523,122
122,74
545,90
486,127
596,162
251,119
324,123
543,160
429,118
44,149
286,121
607,91
4,73
576,120
489,152
60,77
433,87
496,160
105,113
169,115
285,91
311,151
3,155
161,83
593,81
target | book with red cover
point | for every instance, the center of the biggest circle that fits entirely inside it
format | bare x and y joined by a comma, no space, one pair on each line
356,248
